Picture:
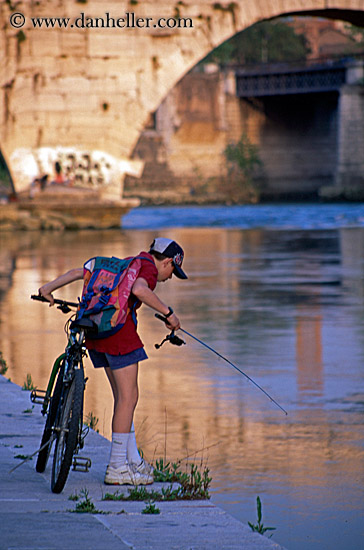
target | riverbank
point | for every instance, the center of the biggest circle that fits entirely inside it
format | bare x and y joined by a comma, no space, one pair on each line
80,209
60,208
33,516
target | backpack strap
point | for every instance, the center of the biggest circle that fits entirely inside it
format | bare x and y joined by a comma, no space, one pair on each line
143,258
133,308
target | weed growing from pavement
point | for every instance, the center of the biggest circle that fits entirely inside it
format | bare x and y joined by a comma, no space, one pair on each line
91,421
28,384
3,365
192,485
194,482
259,527
85,506
151,509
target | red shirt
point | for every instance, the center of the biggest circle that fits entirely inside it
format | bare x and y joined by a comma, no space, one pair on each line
127,339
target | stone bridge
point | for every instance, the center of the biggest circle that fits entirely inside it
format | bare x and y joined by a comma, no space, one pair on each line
85,82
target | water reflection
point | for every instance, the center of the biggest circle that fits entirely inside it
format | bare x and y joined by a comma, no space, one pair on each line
310,375
287,307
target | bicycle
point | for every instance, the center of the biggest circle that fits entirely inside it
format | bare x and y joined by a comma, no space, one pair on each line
62,403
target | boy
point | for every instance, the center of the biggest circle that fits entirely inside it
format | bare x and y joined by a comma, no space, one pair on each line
120,354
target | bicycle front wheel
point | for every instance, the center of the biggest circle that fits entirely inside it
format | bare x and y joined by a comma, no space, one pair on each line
68,429
47,437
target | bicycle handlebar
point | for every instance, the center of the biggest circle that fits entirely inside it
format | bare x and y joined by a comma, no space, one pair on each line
161,317
63,305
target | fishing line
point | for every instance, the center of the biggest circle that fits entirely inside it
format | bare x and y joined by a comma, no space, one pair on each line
170,338
235,367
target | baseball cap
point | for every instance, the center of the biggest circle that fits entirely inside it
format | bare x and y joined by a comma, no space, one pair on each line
170,249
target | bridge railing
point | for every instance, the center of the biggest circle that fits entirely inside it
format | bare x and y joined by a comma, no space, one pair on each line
289,78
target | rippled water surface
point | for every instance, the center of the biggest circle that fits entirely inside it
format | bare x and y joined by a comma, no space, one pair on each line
290,216
276,289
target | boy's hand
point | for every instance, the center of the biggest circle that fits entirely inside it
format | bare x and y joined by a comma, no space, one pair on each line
47,295
173,322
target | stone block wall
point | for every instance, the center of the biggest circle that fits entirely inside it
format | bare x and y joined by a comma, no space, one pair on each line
296,138
350,170
94,88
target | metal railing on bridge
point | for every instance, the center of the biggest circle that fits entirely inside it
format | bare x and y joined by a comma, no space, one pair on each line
287,79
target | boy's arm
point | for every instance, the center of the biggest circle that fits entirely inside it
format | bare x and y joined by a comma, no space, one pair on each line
47,289
142,291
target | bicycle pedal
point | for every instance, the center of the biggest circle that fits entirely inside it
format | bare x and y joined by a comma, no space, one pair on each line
81,464
38,396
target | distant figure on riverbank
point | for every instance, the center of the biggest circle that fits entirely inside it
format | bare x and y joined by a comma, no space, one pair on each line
38,184
60,178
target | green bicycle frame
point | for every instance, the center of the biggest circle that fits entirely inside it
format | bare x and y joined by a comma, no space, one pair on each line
55,369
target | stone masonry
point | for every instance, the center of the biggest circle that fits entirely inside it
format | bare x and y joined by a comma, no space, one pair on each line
305,142
92,85
350,170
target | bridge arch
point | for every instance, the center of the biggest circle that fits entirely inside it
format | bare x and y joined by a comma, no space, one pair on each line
88,89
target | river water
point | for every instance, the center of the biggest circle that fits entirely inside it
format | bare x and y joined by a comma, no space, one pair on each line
278,289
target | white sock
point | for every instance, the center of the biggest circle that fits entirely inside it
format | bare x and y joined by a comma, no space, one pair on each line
118,451
132,450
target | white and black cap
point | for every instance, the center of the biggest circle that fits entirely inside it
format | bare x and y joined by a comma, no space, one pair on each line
170,249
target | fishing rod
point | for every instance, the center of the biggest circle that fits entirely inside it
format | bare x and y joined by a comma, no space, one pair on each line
173,339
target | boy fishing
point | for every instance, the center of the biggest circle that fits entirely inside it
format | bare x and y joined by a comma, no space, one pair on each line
120,353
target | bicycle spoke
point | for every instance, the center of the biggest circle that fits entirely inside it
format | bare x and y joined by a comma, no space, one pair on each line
67,431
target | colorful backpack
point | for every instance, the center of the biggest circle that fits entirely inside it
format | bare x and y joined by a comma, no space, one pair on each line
106,289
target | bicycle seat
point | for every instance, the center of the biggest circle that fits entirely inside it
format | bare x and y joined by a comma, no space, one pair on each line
84,324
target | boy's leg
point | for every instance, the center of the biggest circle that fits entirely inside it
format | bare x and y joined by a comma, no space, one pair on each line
124,385
133,453
134,457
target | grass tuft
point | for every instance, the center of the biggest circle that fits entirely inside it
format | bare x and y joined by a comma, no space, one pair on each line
3,365
91,421
259,527
151,509
28,384
85,506
192,485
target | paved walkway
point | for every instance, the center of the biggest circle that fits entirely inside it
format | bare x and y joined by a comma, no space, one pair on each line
33,518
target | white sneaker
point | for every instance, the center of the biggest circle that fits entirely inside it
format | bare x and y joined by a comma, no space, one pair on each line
125,475
143,468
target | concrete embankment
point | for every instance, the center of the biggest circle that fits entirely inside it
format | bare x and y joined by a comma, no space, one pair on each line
33,517
59,208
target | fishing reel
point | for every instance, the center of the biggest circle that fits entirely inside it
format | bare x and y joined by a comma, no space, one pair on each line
172,338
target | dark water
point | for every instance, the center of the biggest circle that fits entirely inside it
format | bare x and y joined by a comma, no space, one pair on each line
278,290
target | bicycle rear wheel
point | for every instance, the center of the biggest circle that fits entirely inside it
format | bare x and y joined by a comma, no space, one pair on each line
68,429
47,436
